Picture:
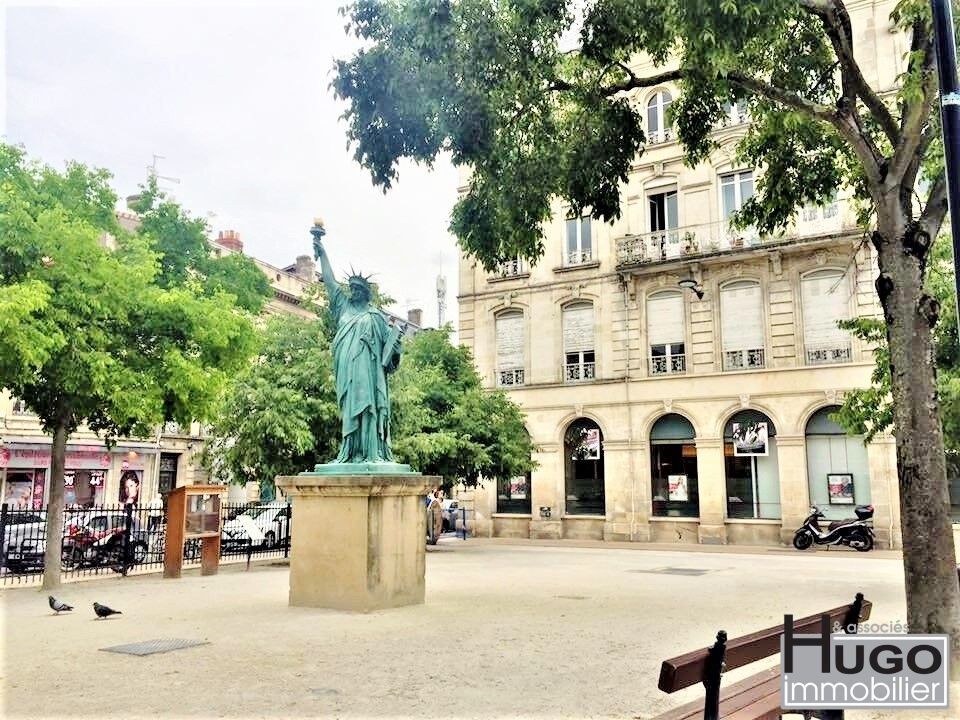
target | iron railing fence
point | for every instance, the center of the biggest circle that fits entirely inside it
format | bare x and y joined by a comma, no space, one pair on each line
126,539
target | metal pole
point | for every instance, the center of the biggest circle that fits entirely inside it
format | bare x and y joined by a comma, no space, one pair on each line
950,119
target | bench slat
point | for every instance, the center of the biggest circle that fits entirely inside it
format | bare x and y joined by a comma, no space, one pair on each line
744,694
686,670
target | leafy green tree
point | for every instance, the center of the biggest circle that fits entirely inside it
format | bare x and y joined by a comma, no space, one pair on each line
186,255
867,411
114,349
491,83
444,422
280,416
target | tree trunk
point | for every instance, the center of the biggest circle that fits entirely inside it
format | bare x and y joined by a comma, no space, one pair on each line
51,559
929,560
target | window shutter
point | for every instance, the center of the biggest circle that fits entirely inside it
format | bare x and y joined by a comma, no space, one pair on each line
823,308
578,328
510,340
665,318
741,316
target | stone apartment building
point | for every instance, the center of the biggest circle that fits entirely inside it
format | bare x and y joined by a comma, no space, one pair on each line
677,375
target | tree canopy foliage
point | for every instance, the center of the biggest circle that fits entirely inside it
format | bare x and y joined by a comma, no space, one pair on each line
104,343
280,416
187,256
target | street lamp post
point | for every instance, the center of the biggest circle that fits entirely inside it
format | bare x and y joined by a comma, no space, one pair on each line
950,120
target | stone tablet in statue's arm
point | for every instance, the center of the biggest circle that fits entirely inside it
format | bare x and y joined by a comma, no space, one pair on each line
391,349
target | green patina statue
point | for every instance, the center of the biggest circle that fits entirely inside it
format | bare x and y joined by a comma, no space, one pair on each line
365,350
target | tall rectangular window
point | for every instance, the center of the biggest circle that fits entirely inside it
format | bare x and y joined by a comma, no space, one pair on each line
664,218
735,189
826,300
579,241
509,331
742,326
578,344
665,331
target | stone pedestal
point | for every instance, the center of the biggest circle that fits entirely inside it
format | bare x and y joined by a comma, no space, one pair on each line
358,541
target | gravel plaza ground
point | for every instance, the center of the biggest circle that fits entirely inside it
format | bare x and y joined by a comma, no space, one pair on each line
509,629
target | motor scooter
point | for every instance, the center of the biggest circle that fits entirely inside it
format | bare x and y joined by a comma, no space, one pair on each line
852,532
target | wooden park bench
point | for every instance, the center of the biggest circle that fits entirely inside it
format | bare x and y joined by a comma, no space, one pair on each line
758,696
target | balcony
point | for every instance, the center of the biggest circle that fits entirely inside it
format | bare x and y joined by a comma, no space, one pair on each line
668,364
579,372
579,257
510,378
829,353
511,268
743,359
693,241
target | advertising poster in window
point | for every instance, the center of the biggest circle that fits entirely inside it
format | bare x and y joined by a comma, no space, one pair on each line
840,487
518,488
130,487
750,439
677,488
591,442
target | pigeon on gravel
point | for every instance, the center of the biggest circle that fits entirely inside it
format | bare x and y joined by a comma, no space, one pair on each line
57,606
103,611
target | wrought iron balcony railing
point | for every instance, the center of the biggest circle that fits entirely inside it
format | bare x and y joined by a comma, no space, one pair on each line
829,353
509,378
578,372
743,359
668,364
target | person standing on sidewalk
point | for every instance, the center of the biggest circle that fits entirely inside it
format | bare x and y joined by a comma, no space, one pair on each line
436,514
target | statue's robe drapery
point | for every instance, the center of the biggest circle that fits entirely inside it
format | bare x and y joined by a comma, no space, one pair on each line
365,351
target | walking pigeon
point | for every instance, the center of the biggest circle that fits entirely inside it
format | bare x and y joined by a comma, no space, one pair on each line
103,611
57,606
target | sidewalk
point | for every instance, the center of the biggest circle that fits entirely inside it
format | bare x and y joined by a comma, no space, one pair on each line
509,629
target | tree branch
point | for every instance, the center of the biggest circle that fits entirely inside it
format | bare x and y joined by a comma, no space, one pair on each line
934,212
630,84
915,114
836,22
844,123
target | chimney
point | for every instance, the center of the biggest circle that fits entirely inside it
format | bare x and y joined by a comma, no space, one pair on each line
415,317
230,239
306,268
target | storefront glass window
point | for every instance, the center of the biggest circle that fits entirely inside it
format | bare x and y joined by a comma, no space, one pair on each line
583,461
750,464
673,468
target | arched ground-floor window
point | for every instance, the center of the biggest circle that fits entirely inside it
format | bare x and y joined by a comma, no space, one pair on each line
673,468
583,465
838,471
750,466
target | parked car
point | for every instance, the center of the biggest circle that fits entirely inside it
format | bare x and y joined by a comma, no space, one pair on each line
272,521
451,511
23,531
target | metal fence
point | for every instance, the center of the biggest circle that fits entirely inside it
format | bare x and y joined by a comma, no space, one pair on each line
129,539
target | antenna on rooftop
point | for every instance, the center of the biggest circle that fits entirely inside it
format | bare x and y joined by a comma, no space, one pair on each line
441,297
152,170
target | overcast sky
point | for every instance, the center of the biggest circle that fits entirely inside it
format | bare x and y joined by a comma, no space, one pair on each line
235,98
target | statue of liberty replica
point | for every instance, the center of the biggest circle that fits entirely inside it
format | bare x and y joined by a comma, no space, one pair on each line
365,351
360,542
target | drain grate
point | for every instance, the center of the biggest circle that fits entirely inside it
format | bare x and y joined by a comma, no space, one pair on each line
151,647
675,571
